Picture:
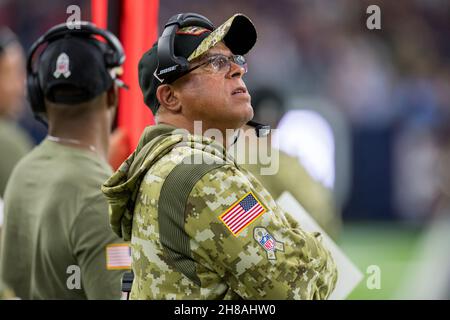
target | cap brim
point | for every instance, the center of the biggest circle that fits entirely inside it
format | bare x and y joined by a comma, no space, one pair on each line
238,33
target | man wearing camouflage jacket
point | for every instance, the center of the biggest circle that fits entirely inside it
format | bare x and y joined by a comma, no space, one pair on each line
200,225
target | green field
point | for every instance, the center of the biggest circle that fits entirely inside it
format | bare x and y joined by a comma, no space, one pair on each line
391,247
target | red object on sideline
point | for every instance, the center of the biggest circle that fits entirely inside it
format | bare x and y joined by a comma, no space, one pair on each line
99,9
119,149
138,32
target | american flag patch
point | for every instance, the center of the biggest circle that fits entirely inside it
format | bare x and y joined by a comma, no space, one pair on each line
242,213
118,256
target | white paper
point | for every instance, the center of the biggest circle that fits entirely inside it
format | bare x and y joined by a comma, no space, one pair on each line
348,274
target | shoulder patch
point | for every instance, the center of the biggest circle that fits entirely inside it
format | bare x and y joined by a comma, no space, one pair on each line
118,256
242,213
267,242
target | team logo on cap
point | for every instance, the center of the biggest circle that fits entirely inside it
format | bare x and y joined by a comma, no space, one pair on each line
62,66
193,31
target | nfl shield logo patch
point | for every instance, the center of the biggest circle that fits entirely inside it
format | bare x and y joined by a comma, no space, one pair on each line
268,242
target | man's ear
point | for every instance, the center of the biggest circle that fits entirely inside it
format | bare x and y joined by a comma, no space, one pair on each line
112,96
168,98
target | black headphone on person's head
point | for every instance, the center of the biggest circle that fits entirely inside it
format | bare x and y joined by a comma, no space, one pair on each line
114,56
170,65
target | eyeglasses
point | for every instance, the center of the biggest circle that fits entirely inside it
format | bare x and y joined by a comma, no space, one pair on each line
220,63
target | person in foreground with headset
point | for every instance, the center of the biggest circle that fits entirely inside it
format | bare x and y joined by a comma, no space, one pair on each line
200,225
56,241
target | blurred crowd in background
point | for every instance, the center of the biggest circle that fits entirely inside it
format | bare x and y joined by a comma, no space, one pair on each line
366,112
389,88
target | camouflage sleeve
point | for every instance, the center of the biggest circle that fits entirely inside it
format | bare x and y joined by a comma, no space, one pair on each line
242,234
90,235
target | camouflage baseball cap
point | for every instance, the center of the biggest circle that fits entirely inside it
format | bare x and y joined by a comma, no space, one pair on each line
238,33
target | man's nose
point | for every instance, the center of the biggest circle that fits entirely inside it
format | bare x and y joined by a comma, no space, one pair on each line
236,70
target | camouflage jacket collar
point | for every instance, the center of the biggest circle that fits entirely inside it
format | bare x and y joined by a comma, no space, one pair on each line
156,141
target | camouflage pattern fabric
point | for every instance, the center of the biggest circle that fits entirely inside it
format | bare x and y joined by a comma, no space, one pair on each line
187,252
214,38
311,194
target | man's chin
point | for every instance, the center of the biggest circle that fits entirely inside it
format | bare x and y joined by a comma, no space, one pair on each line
236,120
250,113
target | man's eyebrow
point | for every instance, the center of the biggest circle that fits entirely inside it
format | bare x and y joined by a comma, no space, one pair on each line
212,54
209,55
203,57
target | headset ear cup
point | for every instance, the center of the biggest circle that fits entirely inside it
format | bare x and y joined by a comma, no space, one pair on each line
110,56
184,64
35,95
111,59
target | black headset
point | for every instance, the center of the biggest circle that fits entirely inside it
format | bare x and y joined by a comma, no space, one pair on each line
170,66
114,56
